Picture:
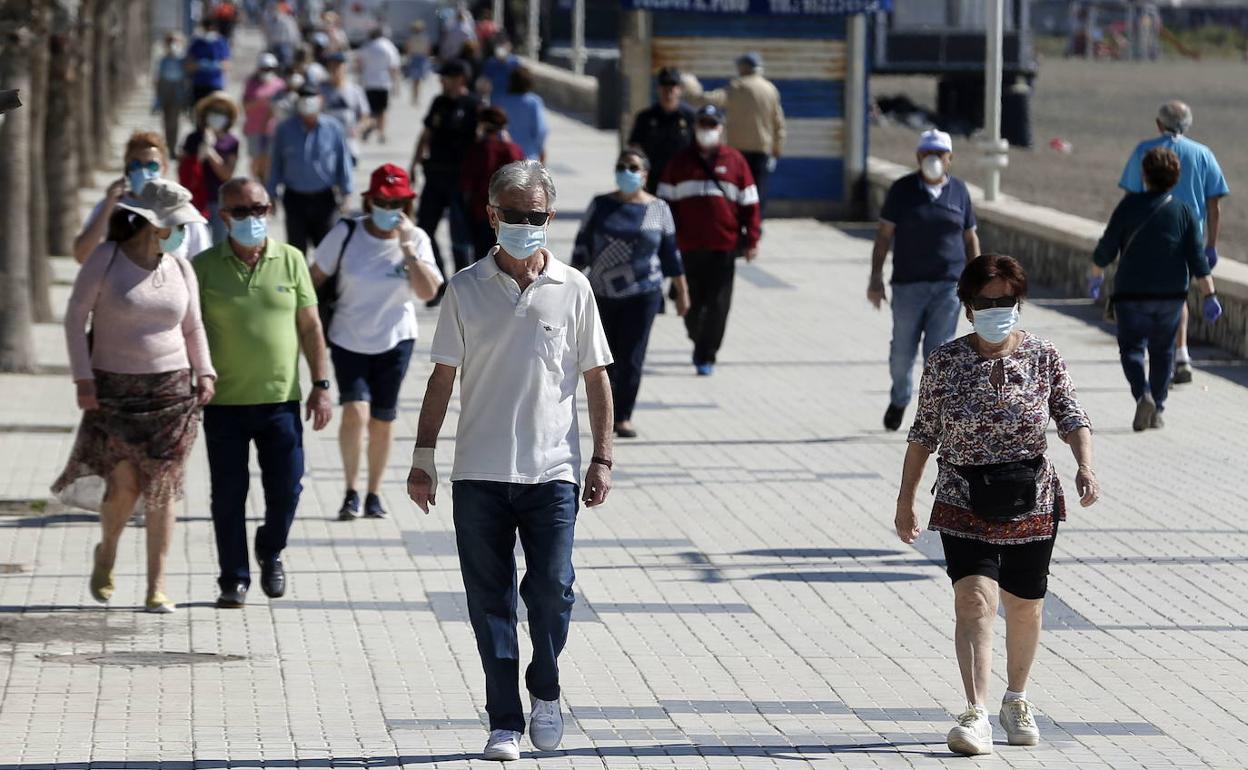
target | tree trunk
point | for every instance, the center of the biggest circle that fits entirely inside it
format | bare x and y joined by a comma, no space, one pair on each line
102,104
40,267
60,159
17,349
84,61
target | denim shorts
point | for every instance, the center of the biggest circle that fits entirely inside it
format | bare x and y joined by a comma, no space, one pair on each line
375,378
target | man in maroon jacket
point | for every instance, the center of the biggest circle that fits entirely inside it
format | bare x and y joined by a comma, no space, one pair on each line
715,203
492,151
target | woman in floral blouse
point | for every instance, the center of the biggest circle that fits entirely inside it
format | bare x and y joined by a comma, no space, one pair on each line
986,399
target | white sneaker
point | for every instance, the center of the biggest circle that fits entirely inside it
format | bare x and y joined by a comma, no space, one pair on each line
546,724
503,746
1020,726
973,735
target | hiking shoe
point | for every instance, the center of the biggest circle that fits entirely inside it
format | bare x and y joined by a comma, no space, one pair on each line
1020,726
372,507
1157,421
503,746
1145,408
546,724
350,509
1182,372
973,735
892,416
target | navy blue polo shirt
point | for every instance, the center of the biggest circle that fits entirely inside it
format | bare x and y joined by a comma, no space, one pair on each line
928,243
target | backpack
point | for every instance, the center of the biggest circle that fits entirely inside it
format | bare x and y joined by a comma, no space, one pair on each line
327,294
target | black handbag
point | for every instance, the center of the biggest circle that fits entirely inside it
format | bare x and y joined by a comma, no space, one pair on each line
1002,491
327,294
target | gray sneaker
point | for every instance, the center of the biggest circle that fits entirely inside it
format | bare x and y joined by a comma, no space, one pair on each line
1157,421
1020,726
1144,411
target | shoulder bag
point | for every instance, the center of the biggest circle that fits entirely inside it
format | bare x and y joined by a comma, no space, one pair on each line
327,294
710,173
1110,315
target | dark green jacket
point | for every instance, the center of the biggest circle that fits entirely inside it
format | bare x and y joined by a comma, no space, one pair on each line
1166,252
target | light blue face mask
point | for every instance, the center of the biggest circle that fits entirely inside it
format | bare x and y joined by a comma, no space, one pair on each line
139,178
171,244
521,241
994,324
249,231
629,182
386,219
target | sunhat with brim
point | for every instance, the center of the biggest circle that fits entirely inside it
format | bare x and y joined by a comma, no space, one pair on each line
219,100
164,203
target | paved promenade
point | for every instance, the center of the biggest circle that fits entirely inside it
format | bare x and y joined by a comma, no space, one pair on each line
742,599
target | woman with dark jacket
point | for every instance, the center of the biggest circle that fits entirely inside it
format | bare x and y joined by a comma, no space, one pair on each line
1158,244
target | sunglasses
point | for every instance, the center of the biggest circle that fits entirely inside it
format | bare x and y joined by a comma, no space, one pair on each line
984,303
242,212
151,166
517,217
633,167
390,204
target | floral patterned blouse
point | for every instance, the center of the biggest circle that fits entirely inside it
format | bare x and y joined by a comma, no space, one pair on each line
977,411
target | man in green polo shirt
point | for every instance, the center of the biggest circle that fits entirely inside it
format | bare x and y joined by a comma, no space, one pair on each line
259,311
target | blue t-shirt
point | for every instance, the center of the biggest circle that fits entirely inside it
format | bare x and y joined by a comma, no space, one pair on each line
498,72
1200,176
628,247
928,244
208,52
526,121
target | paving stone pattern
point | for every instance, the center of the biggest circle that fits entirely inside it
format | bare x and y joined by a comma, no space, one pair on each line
742,599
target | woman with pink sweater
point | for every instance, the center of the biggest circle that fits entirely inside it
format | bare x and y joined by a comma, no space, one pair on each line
142,373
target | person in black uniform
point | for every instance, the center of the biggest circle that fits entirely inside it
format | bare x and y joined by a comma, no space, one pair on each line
665,128
450,129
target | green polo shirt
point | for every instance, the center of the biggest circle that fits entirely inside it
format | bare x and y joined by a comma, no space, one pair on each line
250,319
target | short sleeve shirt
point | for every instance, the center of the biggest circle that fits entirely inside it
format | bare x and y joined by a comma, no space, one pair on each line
376,307
928,243
520,356
1200,176
250,318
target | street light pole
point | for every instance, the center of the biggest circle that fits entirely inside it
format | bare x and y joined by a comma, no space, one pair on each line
994,149
534,34
578,37
500,10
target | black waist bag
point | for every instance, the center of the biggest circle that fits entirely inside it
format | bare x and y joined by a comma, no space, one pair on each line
1002,491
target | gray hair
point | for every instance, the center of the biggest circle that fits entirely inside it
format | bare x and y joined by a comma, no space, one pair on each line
1175,116
237,185
522,175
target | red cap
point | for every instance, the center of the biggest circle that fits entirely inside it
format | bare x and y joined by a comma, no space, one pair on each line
390,181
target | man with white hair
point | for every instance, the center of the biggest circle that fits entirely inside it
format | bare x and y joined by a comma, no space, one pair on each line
521,326
1201,186
928,220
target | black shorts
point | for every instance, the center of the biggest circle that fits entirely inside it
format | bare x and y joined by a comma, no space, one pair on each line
378,100
1022,569
372,378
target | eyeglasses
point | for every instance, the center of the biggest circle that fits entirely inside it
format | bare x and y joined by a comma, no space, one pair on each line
517,217
633,167
984,303
136,165
242,212
389,203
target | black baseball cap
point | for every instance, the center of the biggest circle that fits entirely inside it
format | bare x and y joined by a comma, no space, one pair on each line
454,68
309,89
710,112
669,76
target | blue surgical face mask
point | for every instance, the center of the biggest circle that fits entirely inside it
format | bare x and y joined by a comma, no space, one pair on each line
521,241
139,178
995,323
249,231
629,182
171,244
386,219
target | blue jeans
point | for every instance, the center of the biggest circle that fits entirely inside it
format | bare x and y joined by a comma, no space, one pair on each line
278,433
1148,324
928,310
487,516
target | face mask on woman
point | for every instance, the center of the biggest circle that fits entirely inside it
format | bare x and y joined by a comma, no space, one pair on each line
138,178
629,182
217,121
994,324
521,241
386,219
171,244
249,231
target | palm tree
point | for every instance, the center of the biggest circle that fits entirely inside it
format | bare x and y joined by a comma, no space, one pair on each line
17,352
60,159
40,267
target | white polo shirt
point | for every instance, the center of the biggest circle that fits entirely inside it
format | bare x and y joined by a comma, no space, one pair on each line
520,356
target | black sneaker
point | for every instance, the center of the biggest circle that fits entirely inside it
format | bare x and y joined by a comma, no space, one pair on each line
372,507
893,415
350,509
1182,373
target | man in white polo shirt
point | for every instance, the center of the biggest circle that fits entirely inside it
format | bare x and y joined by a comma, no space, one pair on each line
523,327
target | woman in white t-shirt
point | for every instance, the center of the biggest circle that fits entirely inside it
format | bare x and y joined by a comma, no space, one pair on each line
383,264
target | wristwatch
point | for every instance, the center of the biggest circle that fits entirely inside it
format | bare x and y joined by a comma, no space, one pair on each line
322,384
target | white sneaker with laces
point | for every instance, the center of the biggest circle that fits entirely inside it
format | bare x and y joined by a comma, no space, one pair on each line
546,724
1020,726
503,746
973,735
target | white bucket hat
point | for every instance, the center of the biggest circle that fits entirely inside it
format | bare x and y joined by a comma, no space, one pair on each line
164,203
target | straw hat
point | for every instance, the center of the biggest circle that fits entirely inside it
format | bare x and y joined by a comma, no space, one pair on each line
219,100
164,203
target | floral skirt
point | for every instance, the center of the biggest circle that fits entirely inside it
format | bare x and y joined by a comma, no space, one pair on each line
149,420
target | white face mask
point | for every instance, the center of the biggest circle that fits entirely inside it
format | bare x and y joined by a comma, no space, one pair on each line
216,121
933,167
309,105
708,137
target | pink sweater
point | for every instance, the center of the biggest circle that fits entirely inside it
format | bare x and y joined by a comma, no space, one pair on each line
145,322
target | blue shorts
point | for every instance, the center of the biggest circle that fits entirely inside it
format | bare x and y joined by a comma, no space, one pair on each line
374,378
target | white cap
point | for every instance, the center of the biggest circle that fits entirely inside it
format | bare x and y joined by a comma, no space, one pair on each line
267,61
934,139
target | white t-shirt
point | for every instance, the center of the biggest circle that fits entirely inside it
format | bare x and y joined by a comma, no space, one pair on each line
198,238
377,58
520,357
376,307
